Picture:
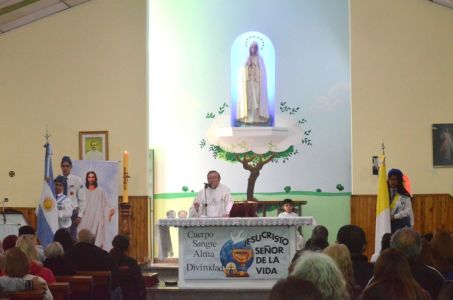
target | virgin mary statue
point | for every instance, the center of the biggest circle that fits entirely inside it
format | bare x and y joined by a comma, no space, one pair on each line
253,104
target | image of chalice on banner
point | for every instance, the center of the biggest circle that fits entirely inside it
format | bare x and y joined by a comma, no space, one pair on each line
236,256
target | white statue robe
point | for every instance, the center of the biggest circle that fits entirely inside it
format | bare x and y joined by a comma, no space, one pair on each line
218,202
96,217
253,102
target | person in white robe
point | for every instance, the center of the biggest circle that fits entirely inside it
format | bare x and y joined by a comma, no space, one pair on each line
253,103
212,201
98,212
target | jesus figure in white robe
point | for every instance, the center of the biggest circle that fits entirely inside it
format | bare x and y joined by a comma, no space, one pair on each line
98,211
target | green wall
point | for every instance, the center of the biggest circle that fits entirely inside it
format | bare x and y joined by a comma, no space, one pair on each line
329,209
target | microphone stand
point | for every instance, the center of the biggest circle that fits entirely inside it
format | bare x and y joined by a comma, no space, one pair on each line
3,210
205,206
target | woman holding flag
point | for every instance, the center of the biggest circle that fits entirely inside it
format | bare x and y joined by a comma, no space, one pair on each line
401,214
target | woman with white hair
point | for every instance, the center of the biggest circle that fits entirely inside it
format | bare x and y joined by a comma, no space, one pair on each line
322,271
57,262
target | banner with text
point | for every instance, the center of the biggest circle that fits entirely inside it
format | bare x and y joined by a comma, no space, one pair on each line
245,252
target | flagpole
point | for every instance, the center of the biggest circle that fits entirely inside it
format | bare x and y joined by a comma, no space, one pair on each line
47,213
382,207
47,156
47,135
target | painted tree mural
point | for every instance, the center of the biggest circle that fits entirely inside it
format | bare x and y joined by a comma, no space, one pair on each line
253,161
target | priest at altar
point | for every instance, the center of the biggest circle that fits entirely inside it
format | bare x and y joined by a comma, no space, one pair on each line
214,200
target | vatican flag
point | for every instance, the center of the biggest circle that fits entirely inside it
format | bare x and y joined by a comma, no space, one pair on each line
382,210
47,209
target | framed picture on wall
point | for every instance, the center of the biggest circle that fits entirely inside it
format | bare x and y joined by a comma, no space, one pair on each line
94,145
442,145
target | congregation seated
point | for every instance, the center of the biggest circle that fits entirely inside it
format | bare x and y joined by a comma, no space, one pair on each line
132,282
400,271
63,236
393,279
17,266
385,241
29,231
353,237
12,285
318,240
27,245
409,242
427,236
9,242
442,251
86,256
340,255
57,262
294,288
426,255
322,271
447,292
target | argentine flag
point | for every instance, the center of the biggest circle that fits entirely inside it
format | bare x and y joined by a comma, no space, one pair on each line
47,209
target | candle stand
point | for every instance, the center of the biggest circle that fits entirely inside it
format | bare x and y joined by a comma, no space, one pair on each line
125,217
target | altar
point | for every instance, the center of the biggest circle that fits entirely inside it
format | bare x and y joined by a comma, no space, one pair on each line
242,253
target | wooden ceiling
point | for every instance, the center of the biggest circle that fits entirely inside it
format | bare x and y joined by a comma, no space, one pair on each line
16,13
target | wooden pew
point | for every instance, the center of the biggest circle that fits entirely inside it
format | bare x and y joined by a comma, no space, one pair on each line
81,287
28,295
102,283
60,290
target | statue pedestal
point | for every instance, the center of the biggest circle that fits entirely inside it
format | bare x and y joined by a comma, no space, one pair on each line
267,132
242,139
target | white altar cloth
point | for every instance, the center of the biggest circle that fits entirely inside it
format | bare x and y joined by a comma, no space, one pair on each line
242,253
273,221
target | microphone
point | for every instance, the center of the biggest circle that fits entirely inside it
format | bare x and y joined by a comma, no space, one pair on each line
205,206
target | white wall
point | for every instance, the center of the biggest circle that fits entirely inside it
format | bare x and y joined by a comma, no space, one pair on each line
79,70
190,44
85,69
402,83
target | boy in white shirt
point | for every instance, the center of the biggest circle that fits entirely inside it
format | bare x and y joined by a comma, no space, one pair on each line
288,207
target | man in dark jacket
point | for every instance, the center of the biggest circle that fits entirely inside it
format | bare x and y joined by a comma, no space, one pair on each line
353,237
86,256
